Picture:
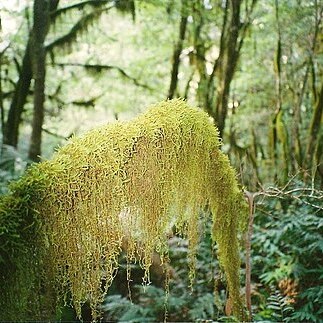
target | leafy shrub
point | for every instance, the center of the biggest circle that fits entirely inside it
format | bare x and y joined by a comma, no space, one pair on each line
287,246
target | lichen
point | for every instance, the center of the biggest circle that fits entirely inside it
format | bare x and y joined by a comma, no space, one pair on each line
127,181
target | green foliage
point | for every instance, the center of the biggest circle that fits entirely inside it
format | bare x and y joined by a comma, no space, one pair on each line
124,183
205,301
278,308
288,244
121,309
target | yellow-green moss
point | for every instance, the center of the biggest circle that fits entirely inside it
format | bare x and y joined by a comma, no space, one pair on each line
131,181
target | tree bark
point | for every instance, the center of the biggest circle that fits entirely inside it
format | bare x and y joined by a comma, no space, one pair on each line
296,142
38,58
1,94
231,41
199,52
228,59
276,122
232,36
11,130
315,127
178,50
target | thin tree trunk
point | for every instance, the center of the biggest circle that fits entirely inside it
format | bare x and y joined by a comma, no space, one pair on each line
177,51
274,135
38,55
199,55
250,197
1,95
315,127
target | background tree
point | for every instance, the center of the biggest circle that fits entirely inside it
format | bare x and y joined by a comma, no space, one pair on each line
38,61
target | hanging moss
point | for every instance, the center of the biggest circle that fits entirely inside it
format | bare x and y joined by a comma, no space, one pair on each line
128,181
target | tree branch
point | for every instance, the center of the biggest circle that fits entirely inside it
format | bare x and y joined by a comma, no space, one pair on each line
98,68
78,28
95,3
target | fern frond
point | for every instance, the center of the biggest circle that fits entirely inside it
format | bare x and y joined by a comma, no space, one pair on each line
278,304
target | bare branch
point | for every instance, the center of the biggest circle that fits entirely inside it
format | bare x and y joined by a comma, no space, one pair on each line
300,194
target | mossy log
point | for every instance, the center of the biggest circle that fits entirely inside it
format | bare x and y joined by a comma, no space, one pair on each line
64,222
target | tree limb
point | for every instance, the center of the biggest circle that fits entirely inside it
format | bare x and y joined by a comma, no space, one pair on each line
95,3
99,67
78,28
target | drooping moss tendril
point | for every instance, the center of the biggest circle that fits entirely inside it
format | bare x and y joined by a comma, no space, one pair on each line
123,184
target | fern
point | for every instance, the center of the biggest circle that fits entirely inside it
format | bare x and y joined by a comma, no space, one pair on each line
279,307
203,308
288,244
120,309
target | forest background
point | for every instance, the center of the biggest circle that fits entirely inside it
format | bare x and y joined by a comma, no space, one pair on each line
254,66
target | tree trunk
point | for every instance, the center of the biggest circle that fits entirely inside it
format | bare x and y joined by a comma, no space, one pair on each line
177,51
315,127
1,94
11,129
232,37
226,62
38,57
199,52
277,129
296,142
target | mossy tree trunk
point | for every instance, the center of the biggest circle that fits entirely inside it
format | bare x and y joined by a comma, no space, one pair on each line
1,91
297,151
178,50
132,180
199,52
314,131
228,59
232,37
278,137
38,60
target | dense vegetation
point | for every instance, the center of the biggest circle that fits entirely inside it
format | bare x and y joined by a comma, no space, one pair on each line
254,66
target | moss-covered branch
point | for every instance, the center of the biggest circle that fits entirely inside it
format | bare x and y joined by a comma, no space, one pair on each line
80,27
130,181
